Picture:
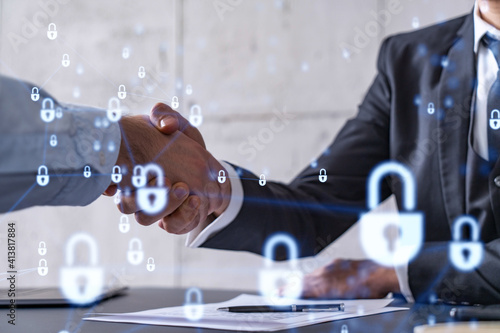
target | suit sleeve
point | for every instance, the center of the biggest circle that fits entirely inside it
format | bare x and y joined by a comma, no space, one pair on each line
316,213
25,147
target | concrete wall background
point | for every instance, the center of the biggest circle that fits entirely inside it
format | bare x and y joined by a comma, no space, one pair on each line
244,61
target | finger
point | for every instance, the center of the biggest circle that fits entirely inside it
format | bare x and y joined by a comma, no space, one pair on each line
168,121
183,217
176,196
110,191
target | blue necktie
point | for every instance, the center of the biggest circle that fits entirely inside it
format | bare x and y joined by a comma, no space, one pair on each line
493,104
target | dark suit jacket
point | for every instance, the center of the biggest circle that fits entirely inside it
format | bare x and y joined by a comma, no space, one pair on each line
435,64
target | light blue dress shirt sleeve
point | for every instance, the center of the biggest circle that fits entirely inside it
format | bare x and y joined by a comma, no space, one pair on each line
25,145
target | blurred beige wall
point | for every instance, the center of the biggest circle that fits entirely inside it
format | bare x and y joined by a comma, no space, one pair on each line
245,61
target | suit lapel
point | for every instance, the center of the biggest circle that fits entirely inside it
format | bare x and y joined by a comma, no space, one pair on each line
456,87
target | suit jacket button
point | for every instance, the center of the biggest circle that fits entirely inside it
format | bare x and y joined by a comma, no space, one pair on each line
497,181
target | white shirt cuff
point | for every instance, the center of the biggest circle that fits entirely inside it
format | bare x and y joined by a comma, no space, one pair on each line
404,284
209,227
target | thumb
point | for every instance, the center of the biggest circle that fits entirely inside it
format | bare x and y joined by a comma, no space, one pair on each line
164,118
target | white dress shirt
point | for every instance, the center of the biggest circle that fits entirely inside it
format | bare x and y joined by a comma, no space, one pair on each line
485,76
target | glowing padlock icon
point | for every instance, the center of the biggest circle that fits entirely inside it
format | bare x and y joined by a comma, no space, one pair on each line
495,121
125,53
152,200
72,276
122,94
111,146
42,248
262,180
47,112
189,89
42,267
52,31
53,140
59,112
142,72
97,145
87,172
430,108
175,102
150,266
392,239
193,309
65,60
43,176
114,112
35,94
322,175
139,176
195,117
466,255
135,255
344,329
222,176
116,176
279,283
124,225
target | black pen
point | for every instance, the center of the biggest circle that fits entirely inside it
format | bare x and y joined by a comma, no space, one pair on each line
285,308
491,312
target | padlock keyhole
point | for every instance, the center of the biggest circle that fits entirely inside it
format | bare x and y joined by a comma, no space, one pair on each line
391,233
466,254
152,199
81,282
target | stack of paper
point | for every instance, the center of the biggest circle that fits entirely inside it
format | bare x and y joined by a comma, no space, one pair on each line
212,318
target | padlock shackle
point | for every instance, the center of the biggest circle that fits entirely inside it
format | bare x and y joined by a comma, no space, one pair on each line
284,239
124,218
120,88
195,107
44,168
322,172
44,261
458,226
81,237
52,25
33,90
65,56
86,168
118,170
110,103
222,173
158,171
48,100
152,260
262,177
196,292
382,170
492,112
131,244
40,244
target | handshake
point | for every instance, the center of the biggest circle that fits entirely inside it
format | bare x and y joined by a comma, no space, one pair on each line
190,171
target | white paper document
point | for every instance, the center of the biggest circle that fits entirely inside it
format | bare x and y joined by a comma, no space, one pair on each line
211,318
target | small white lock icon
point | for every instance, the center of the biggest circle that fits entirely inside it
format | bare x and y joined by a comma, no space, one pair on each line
135,256
344,329
193,309
175,102
151,264
195,117
97,145
35,94
222,176
59,112
466,255
42,248
65,60
121,92
495,121
430,108
189,89
71,276
139,176
86,172
272,280
52,31
42,267
142,72
47,112
43,176
53,140
262,180
114,112
322,175
152,200
124,225
116,176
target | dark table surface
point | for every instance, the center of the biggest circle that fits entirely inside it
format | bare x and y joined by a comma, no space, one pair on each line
54,320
